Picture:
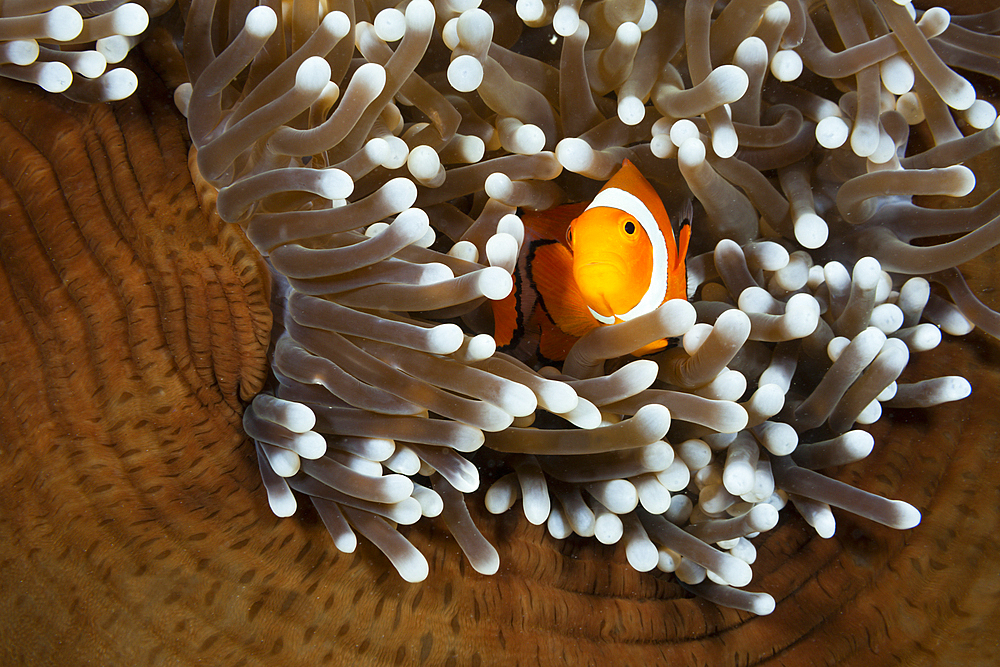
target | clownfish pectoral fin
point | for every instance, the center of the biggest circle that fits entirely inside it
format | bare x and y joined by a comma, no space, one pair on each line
553,342
552,223
551,271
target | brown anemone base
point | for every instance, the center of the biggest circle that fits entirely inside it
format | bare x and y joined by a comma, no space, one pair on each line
133,529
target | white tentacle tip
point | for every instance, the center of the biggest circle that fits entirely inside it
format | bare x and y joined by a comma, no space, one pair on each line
906,516
282,504
762,604
313,75
261,22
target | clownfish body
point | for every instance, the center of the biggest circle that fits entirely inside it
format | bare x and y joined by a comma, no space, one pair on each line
589,265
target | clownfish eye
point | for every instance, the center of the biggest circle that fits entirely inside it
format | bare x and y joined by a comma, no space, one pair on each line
569,235
630,227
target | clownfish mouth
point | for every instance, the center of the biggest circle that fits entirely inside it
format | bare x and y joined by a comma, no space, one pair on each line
603,319
595,280
599,303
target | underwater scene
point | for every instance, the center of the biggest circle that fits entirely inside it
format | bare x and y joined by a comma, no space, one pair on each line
483,332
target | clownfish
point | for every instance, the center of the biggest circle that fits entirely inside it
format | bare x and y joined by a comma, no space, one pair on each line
593,264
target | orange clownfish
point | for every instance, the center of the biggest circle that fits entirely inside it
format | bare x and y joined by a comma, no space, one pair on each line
588,265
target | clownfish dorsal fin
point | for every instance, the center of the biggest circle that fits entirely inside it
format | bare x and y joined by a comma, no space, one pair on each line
684,233
552,223
677,282
551,271
631,180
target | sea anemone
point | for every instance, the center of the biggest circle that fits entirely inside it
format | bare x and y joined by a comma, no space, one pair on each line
384,190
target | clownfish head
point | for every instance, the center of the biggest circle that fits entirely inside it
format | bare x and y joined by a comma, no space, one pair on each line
626,261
